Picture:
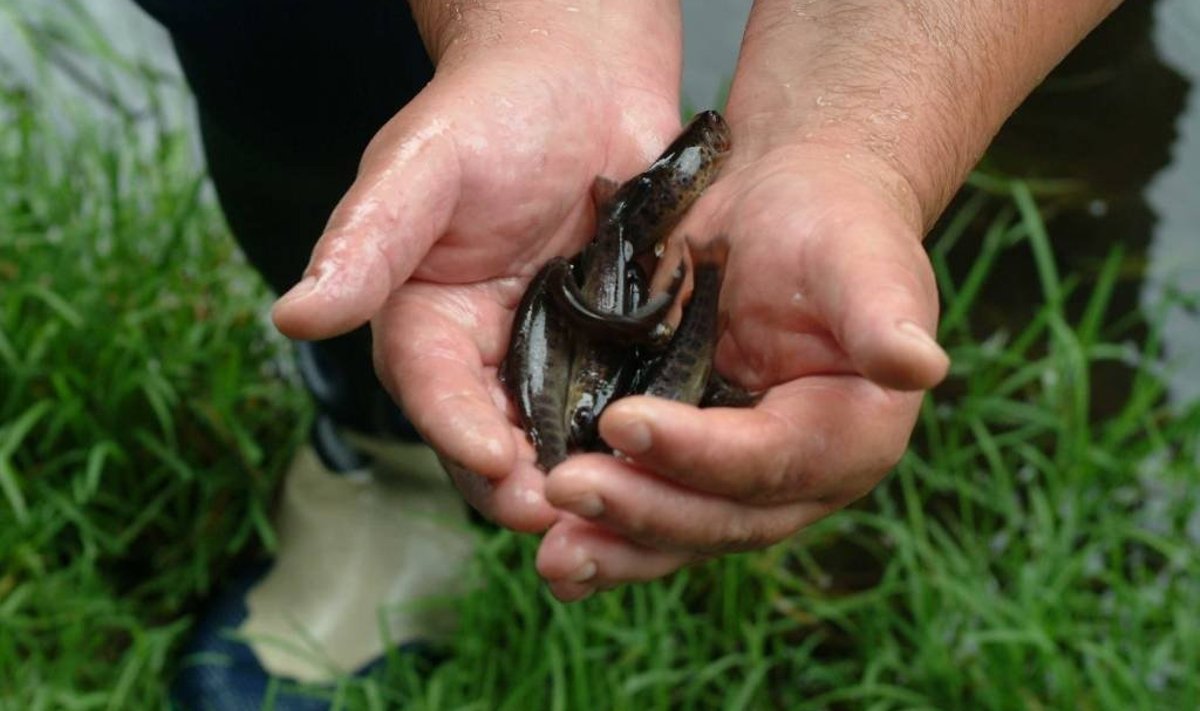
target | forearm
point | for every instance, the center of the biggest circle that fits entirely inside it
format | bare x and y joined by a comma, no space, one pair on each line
919,86
643,38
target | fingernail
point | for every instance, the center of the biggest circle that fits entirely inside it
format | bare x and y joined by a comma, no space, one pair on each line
631,438
918,334
583,573
300,290
589,505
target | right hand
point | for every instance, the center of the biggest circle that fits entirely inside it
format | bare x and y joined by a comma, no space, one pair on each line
484,176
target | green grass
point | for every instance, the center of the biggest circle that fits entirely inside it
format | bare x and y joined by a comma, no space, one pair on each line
1027,553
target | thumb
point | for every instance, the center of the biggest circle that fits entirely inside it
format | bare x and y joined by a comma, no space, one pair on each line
876,287
387,221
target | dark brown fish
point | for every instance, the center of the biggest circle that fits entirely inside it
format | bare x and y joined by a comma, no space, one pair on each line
537,368
563,371
639,215
721,393
645,322
683,370
650,205
608,381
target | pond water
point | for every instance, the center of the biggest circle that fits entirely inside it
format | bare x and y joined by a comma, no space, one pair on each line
1119,115
1173,193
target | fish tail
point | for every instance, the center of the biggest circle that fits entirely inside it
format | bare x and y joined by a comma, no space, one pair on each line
714,252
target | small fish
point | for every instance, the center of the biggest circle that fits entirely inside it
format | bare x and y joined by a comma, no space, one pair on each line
644,324
638,216
682,372
609,370
537,368
650,205
721,393
584,329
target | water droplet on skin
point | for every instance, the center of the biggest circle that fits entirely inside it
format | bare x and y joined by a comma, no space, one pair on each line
822,101
529,496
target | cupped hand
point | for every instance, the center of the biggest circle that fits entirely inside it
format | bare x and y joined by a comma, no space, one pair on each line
459,199
830,301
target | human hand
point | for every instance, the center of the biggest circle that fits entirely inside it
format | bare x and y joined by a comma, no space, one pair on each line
479,180
853,126
830,300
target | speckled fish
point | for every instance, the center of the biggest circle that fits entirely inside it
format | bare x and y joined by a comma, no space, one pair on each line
721,393
609,370
650,205
640,215
537,367
644,324
682,372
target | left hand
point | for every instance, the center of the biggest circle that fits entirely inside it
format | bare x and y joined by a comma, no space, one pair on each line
830,301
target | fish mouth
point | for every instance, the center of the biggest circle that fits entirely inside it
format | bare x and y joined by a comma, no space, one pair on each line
708,130
714,129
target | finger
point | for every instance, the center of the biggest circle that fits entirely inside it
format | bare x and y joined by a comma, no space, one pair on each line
818,438
397,207
576,558
429,359
660,514
515,501
876,288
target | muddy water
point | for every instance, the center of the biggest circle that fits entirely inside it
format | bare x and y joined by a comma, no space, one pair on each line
1119,117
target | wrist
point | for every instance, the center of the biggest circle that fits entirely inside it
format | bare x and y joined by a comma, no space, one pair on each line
639,41
916,89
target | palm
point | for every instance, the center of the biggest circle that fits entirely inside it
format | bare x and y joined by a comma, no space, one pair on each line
801,238
512,177
509,186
